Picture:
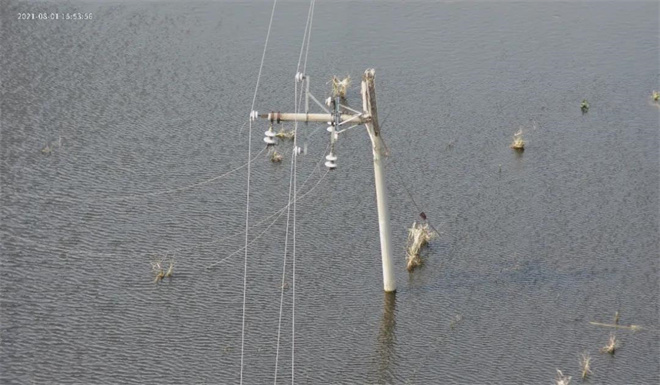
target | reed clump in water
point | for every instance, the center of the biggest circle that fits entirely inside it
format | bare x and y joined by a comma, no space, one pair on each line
518,142
170,270
339,87
419,236
157,269
561,379
612,345
585,364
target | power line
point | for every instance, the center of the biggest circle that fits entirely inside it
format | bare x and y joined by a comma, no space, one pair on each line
247,204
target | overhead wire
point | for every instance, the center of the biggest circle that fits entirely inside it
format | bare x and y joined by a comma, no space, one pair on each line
293,187
247,204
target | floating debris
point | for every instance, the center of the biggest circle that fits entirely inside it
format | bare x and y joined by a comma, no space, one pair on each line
656,96
584,106
283,134
585,364
518,142
47,150
634,328
339,87
561,379
419,236
612,345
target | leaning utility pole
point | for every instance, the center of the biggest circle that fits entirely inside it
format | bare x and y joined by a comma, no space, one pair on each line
335,119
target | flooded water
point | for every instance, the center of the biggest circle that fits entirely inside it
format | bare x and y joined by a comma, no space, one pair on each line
119,135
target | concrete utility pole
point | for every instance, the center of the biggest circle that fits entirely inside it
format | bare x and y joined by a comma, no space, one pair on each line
369,117
369,106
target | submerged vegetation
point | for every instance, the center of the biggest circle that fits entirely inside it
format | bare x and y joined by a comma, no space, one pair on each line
419,236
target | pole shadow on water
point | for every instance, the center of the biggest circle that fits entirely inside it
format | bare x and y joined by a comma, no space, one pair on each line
386,340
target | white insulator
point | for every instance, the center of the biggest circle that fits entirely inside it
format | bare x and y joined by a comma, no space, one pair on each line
297,150
254,115
331,157
330,128
328,102
270,133
336,135
300,76
269,140
331,165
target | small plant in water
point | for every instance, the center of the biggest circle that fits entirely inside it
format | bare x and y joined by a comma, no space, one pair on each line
612,345
419,236
561,379
283,134
584,106
585,364
339,87
656,96
518,142
275,157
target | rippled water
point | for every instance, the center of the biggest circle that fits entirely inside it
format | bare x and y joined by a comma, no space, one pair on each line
143,110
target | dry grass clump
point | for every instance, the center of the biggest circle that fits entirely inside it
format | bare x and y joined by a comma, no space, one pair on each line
419,236
561,379
518,142
611,346
275,156
585,364
283,134
656,96
339,87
